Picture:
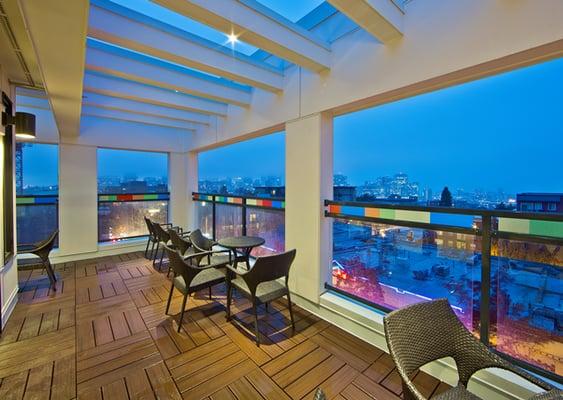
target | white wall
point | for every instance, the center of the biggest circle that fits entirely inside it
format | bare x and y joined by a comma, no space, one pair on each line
78,199
8,271
308,178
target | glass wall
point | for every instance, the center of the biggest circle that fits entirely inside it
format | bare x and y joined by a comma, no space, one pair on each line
526,294
204,217
268,224
248,172
491,145
131,185
254,167
37,190
395,266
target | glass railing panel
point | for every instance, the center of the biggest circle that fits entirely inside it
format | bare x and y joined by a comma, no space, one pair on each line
526,301
37,218
268,224
204,217
228,220
394,266
121,217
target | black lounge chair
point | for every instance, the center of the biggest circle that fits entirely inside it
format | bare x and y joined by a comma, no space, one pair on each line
190,277
261,285
42,250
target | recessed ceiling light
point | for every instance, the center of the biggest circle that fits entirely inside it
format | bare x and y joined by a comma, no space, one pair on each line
232,38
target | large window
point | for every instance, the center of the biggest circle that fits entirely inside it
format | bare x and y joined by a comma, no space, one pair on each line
131,185
242,191
37,190
404,170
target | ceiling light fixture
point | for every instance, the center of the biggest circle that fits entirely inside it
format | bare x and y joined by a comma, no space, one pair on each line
24,124
232,38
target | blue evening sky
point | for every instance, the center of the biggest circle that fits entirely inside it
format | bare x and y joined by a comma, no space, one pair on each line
141,164
502,132
263,156
40,165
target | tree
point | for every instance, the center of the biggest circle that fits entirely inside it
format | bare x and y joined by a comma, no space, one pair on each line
446,198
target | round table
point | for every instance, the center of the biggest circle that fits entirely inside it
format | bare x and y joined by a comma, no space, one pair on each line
242,244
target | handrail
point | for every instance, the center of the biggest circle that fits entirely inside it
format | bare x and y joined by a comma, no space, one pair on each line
37,200
451,210
239,196
132,197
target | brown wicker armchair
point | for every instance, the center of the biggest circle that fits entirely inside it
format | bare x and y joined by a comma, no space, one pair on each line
42,250
260,284
163,237
190,277
425,332
153,238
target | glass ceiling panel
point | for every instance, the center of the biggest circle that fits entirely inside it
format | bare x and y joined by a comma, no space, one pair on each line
293,10
189,25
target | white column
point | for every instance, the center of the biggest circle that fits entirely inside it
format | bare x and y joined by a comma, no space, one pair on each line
192,183
78,199
308,183
177,180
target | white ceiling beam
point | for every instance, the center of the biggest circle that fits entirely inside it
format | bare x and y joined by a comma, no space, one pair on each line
124,89
57,30
117,104
131,30
259,26
89,111
381,18
143,70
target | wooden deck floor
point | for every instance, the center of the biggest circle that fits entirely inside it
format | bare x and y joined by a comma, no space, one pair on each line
104,335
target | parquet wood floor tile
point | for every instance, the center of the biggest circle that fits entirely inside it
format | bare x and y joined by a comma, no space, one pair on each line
103,334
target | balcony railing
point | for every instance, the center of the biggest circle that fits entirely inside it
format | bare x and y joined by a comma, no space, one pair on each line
220,216
120,216
501,271
37,217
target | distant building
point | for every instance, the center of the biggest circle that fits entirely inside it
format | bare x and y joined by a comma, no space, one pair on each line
269,191
540,202
396,199
340,180
345,193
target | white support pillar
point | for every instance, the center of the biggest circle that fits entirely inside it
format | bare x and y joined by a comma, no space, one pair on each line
177,177
192,175
78,199
308,183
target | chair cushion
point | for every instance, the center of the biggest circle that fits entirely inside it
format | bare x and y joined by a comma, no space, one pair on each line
456,393
206,277
265,292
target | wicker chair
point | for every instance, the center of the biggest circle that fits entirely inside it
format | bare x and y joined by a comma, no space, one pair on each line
42,250
163,237
153,238
425,332
260,284
180,242
190,277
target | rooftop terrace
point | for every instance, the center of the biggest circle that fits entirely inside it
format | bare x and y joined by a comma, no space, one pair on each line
407,150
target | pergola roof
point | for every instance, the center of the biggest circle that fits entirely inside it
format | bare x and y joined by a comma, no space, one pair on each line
170,63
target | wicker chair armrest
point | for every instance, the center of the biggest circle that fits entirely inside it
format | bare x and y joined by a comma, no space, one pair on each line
236,271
